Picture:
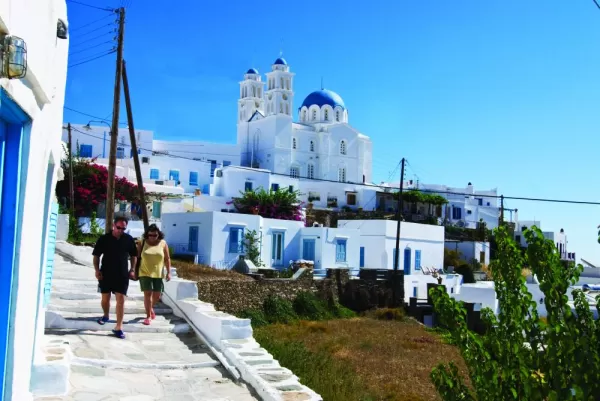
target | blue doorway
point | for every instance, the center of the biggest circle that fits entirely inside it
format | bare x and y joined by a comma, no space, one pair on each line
407,261
13,166
308,249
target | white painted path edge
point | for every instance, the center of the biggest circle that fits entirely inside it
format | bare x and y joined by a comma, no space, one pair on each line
228,337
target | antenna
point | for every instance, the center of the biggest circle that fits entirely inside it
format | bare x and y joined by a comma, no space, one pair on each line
281,47
322,87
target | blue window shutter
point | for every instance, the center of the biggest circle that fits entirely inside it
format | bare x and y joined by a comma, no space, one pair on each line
154,174
236,240
274,187
415,292
226,163
248,186
340,254
174,175
417,260
213,166
362,256
85,150
193,178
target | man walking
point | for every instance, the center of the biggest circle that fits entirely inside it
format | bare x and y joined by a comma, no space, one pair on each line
116,249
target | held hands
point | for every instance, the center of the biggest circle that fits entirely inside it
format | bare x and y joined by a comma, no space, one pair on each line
169,276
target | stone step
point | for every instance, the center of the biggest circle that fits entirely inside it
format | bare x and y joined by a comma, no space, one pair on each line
93,306
61,293
140,350
131,322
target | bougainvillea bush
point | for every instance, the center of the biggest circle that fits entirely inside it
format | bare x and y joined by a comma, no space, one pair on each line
281,204
89,187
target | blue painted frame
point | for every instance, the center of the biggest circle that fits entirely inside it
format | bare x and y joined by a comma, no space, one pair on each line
14,146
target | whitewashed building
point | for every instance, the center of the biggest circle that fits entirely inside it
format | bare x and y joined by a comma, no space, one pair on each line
421,245
217,239
559,238
471,250
31,110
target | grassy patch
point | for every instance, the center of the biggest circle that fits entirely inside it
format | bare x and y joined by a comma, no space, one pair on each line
362,358
279,310
193,272
387,314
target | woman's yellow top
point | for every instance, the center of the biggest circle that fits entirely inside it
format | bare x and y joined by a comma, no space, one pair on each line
153,260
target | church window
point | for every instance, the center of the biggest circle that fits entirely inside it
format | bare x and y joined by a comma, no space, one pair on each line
281,83
281,108
310,171
294,144
342,174
287,108
294,172
343,147
314,116
253,91
326,115
303,115
287,82
312,146
337,116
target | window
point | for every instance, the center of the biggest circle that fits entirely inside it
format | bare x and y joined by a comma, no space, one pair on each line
291,189
193,178
248,186
312,146
139,152
213,166
314,115
456,213
236,240
351,199
287,108
226,163
310,171
362,257
343,147
123,207
303,115
340,250
342,174
294,143
415,292
174,175
281,108
417,260
480,201
156,209
482,257
120,152
274,187
85,150
281,80
518,239
326,115
254,91
154,174
337,116
314,196
294,172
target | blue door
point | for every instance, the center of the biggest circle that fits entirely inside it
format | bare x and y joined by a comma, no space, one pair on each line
13,165
407,261
50,247
193,239
362,256
308,249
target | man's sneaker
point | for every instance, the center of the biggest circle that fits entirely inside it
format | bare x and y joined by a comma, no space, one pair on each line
119,334
102,320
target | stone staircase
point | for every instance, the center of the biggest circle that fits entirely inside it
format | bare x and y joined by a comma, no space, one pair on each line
162,361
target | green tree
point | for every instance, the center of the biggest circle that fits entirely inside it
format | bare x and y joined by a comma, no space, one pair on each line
521,357
252,247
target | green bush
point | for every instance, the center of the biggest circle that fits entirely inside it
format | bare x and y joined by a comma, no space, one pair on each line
256,316
467,272
309,307
341,312
279,310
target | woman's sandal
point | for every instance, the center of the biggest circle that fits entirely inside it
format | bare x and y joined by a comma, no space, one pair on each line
146,322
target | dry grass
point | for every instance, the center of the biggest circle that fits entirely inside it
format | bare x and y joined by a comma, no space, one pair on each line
380,360
190,271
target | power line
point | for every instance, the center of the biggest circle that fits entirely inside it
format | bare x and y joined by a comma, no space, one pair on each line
597,4
92,59
90,23
91,6
94,30
89,115
91,47
92,39
372,185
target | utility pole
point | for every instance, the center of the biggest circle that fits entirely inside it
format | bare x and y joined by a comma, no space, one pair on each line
398,218
501,220
114,135
136,159
71,189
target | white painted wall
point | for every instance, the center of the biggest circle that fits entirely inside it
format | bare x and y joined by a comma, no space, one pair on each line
41,95
470,250
378,237
417,284
325,246
98,137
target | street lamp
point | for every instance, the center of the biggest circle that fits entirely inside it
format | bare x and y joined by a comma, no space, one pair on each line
88,127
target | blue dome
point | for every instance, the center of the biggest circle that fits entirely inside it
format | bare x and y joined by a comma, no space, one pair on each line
280,61
323,97
252,71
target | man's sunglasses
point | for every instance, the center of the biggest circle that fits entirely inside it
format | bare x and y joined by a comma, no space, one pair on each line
120,228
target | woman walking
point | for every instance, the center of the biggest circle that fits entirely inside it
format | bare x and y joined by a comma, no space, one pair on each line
154,253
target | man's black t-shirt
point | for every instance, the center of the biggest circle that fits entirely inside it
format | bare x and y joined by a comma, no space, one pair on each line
115,254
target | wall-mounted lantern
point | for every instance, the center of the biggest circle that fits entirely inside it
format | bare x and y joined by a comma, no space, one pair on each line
13,57
61,30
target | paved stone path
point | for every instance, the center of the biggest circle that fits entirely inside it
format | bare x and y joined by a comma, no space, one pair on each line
163,361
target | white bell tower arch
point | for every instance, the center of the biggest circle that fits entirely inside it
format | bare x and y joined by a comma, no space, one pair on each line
279,97
251,95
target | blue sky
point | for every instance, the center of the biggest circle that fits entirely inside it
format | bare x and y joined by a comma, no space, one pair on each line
502,94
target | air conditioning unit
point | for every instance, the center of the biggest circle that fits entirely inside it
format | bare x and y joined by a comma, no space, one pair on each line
145,159
219,173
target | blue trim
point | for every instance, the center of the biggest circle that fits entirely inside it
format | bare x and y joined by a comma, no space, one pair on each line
407,261
14,152
274,235
104,146
309,249
362,257
417,260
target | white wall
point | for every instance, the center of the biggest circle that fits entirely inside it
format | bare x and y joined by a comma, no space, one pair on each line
98,136
378,237
325,246
470,250
41,95
420,281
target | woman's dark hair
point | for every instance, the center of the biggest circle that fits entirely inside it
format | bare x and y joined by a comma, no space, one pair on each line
154,228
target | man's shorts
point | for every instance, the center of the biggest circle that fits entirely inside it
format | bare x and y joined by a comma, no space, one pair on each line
116,285
151,284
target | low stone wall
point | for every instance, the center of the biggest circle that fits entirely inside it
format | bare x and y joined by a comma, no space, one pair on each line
359,295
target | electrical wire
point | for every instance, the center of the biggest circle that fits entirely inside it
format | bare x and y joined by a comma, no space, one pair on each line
596,3
91,23
92,39
90,115
92,59
91,6
94,30
89,48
